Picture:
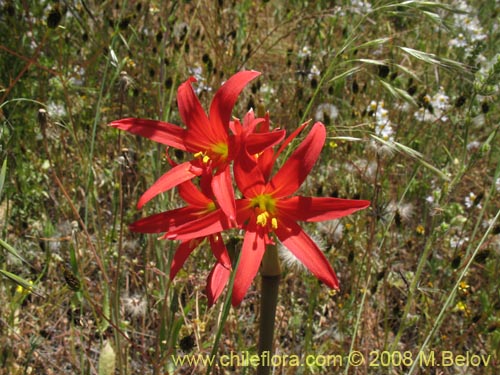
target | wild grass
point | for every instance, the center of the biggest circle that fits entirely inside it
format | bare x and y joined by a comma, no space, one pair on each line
414,129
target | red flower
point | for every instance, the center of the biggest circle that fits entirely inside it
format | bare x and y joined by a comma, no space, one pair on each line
199,207
208,138
267,208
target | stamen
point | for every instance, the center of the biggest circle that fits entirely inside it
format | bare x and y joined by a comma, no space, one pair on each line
262,219
204,157
274,223
265,209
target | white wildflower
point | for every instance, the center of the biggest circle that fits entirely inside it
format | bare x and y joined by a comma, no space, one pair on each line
470,200
473,146
456,241
197,72
360,6
469,26
266,89
459,41
314,72
305,52
424,115
383,126
56,110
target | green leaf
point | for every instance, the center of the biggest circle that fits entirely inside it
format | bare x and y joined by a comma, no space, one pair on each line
107,359
3,172
372,61
106,311
374,42
398,93
20,281
433,59
13,251
411,153
345,74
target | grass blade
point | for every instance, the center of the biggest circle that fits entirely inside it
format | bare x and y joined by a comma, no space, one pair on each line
2,176
12,251
411,153
20,281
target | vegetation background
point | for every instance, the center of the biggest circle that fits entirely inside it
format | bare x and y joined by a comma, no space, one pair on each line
409,94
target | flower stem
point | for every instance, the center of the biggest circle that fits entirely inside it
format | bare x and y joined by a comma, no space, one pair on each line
270,276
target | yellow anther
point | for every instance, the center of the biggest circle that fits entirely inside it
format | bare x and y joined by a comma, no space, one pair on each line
262,219
274,223
204,157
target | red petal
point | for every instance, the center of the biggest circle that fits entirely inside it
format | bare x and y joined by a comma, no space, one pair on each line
319,209
266,163
248,174
200,134
158,131
190,109
243,211
295,170
211,223
250,123
236,127
192,196
258,142
301,245
181,254
216,282
225,98
165,221
219,250
289,139
177,175
263,127
222,187
252,252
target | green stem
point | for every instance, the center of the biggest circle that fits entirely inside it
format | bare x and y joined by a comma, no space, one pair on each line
270,276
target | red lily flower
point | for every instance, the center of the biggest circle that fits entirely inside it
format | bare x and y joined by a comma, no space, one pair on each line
208,138
199,207
267,208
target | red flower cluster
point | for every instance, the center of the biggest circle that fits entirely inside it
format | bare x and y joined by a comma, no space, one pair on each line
266,207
